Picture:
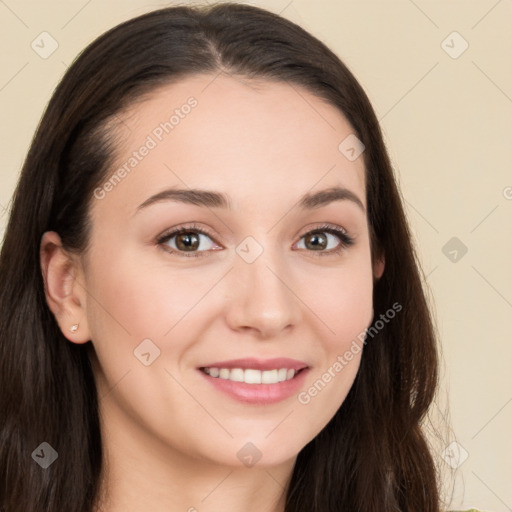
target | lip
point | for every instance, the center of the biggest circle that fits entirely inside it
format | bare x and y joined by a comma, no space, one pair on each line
259,364
258,394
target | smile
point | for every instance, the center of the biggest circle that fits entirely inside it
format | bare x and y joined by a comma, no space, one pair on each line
252,376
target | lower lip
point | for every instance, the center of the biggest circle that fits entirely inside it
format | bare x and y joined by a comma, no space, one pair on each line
258,393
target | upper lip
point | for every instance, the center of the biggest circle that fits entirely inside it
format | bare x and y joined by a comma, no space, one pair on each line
259,364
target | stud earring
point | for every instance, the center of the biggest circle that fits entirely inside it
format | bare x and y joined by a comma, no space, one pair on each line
74,328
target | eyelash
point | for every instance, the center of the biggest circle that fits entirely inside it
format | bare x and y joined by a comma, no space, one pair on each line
345,240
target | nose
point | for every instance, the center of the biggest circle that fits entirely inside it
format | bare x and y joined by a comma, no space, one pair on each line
262,298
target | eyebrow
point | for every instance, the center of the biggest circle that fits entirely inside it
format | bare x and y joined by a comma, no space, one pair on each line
211,199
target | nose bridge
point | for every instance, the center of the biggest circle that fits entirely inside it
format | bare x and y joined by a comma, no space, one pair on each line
262,298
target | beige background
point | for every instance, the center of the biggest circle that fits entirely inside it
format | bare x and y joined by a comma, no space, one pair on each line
448,126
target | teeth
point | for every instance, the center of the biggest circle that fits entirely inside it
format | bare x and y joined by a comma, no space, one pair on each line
252,376
281,374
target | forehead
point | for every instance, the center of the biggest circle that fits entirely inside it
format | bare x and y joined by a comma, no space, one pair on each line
252,139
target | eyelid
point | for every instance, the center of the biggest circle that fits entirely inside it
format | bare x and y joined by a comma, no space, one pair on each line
323,227
168,233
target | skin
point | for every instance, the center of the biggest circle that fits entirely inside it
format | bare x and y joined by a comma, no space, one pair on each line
170,438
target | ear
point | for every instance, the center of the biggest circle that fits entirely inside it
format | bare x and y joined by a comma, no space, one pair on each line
378,266
66,297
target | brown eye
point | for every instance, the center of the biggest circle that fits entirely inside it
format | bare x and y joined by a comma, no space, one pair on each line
315,241
188,241
326,240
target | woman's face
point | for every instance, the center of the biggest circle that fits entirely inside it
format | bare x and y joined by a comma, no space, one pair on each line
244,282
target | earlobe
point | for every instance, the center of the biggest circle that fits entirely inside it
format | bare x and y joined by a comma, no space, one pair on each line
65,297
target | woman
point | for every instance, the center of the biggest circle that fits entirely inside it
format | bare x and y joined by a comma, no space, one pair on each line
211,300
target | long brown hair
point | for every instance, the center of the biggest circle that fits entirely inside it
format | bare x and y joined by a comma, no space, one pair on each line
373,455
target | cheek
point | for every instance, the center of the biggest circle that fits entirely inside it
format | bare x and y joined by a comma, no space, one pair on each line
137,300
341,299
